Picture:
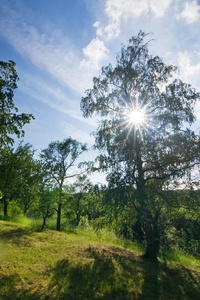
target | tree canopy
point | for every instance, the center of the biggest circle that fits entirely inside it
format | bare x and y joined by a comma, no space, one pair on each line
58,158
10,121
146,134
19,176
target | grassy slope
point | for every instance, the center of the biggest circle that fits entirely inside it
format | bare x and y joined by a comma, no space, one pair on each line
56,265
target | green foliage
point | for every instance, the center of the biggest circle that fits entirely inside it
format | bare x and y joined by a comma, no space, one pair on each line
45,203
143,160
19,176
78,200
149,154
10,121
58,158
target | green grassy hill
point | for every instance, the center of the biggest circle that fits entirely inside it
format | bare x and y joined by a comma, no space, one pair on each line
80,265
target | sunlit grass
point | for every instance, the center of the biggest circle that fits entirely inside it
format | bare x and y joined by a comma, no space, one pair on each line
78,264
111,238
34,223
184,259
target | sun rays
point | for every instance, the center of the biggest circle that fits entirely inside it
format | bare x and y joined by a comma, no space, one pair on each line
134,114
135,117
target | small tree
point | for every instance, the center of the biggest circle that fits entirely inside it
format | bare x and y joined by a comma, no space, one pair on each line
18,176
144,136
29,179
58,158
10,121
45,203
78,200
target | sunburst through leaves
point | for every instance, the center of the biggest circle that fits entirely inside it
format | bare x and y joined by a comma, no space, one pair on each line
135,115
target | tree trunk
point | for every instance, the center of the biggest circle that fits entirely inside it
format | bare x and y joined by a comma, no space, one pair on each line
59,216
152,242
5,202
25,210
44,223
78,218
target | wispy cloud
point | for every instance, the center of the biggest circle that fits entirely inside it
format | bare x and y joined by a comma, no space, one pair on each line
159,8
189,65
80,135
51,51
191,12
53,96
39,89
118,11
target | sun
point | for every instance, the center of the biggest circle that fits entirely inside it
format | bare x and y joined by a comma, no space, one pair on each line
133,116
136,116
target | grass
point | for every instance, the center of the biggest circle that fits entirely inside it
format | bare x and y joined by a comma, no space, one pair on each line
185,260
78,264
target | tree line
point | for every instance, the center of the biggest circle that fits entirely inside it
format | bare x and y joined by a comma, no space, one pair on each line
146,146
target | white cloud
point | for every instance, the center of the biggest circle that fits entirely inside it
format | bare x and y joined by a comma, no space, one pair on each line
122,10
112,30
159,7
186,66
99,31
191,12
189,66
117,9
94,52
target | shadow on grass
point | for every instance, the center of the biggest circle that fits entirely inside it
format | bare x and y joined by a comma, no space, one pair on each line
100,273
120,274
91,278
16,234
9,289
110,273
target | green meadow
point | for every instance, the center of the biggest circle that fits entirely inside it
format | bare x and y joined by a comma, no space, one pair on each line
79,264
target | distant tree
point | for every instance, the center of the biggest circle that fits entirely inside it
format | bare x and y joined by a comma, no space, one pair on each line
45,203
96,207
58,158
185,221
78,201
7,177
144,135
10,121
19,176
29,178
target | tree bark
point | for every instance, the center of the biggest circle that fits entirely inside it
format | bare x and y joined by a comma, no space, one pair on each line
59,208
44,223
152,241
150,229
5,209
59,216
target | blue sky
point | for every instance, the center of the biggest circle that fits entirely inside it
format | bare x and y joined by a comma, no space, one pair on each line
59,45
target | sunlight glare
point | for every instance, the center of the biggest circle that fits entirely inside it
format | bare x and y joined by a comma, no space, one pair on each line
136,116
